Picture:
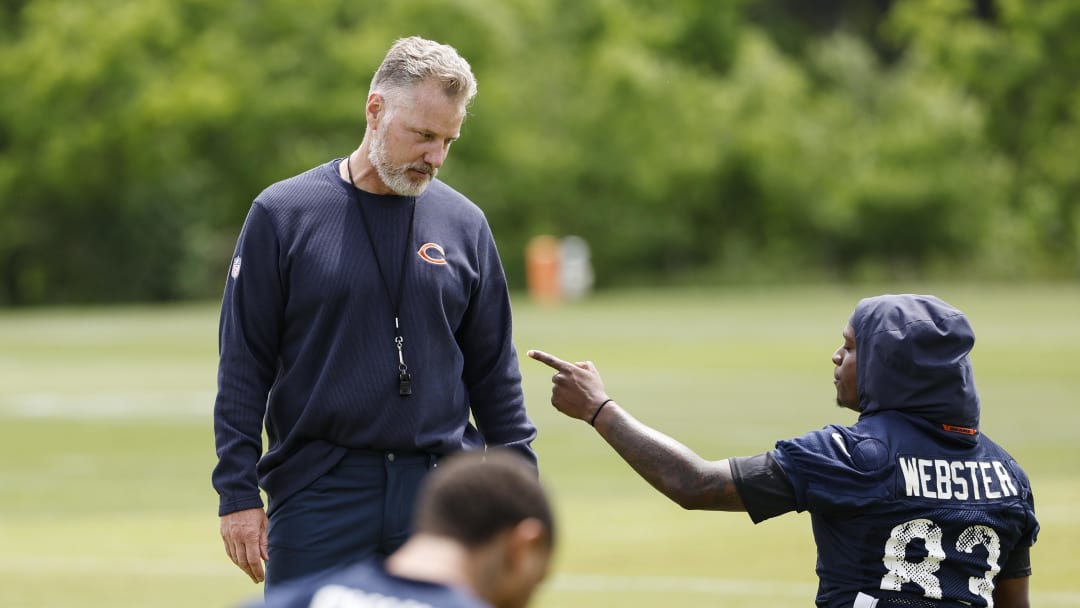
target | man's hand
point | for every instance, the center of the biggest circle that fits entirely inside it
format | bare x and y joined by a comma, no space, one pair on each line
244,533
577,389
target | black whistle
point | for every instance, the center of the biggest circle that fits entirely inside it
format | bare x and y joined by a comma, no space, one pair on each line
404,384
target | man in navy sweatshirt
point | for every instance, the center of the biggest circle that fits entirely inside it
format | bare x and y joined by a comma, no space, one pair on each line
365,316
911,507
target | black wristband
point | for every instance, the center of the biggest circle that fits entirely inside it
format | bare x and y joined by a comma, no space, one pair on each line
597,412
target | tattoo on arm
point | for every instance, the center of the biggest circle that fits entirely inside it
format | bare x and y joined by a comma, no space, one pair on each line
669,466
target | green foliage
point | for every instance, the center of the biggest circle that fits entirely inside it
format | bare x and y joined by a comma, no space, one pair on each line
135,134
1020,66
735,141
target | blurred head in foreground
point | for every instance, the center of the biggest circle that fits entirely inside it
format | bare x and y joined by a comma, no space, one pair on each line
491,505
483,537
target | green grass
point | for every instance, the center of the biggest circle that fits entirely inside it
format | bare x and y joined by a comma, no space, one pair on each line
106,443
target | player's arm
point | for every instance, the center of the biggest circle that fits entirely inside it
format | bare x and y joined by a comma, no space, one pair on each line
1011,593
668,465
1011,584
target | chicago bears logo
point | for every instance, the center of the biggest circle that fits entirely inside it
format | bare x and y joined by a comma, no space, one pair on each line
432,253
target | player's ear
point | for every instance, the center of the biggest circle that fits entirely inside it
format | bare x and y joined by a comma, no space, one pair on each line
516,562
528,548
529,531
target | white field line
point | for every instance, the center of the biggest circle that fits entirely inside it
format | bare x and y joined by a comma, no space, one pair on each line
109,406
593,583
116,566
686,584
736,587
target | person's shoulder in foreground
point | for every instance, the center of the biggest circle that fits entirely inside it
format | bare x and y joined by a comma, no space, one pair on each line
483,537
367,585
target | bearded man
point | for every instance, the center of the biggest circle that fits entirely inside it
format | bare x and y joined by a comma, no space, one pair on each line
365,317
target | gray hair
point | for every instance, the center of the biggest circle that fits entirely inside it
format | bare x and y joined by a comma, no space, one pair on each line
414,60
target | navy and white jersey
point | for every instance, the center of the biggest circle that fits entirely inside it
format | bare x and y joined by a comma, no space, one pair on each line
367,585
911,506
897,512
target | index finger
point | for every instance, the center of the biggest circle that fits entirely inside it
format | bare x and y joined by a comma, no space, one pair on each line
550,360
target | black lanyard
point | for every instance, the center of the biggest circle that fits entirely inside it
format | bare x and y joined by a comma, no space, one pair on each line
404,379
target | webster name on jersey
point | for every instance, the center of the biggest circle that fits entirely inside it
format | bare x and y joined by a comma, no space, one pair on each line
956,479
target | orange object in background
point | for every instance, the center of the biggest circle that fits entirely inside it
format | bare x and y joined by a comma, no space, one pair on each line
542,270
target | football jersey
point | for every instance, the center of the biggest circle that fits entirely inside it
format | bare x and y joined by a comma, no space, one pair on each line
897,513
367,585
912,506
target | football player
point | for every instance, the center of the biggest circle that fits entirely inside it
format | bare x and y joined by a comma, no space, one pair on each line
911,506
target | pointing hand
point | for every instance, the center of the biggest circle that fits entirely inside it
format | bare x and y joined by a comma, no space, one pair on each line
577,388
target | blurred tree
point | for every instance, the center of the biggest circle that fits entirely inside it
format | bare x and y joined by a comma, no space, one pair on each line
830,164
749,140
795,25
1018,59
132,133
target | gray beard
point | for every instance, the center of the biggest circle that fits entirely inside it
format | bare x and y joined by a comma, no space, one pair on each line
396,178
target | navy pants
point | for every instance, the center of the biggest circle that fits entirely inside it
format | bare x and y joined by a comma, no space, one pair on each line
360,508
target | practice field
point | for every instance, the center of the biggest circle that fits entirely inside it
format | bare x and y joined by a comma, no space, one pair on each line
106,443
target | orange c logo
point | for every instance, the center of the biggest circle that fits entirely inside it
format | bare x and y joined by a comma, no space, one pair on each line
425,253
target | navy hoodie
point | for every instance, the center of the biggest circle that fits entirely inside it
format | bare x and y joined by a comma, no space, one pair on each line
307,335
912,504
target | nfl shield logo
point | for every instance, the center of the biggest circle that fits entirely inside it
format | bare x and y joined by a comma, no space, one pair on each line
235,267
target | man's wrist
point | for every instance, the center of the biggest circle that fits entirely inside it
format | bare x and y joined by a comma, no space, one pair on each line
592,421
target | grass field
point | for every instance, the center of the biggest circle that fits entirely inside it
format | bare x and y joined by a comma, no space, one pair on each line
106,443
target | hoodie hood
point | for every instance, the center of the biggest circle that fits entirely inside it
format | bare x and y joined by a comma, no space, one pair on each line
913,356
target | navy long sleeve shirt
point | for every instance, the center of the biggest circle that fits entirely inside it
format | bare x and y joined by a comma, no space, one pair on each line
307,335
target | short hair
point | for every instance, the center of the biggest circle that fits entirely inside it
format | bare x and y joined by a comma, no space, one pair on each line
414,60
473,496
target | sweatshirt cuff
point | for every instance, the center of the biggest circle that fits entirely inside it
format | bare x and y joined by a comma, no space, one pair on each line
232,506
